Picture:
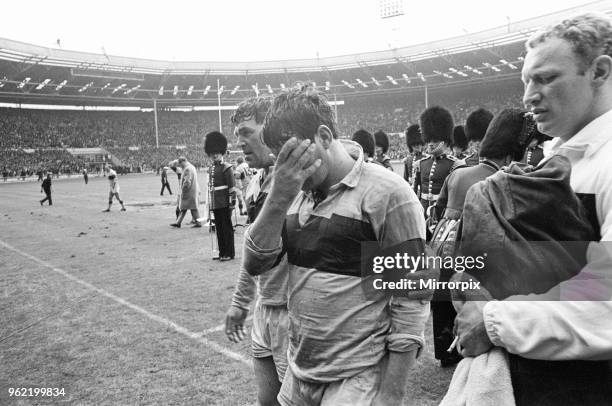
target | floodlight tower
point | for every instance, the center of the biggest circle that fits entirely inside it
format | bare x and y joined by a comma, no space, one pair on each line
392,15
391,8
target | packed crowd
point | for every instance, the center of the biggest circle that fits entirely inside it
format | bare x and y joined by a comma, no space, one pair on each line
21,164
181,132
23,128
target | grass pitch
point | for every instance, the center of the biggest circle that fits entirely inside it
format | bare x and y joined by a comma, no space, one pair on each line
120,309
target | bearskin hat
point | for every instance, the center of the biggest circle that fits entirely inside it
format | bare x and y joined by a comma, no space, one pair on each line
215,143
508,134
477,123
413,136
382,140
436,125
366,140
459,138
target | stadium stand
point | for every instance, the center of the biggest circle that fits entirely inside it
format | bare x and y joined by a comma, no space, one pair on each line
130,136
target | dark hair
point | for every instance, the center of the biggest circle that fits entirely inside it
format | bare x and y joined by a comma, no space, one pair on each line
509,133
297,113
253,107
366,140
589,34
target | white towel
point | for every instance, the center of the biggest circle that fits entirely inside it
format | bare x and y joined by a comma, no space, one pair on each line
481,381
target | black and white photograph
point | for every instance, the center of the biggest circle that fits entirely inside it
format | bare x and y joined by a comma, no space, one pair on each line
304,203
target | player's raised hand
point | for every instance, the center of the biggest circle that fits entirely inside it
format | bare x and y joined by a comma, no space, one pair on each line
296,162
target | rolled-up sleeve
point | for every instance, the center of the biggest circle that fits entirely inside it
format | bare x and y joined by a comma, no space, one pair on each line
403,221
257,260
244,292
408,318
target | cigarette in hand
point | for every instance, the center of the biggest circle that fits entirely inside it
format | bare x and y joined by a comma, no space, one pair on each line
453,344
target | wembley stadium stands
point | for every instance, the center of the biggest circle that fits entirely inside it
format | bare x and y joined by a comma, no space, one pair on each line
384,90
130,136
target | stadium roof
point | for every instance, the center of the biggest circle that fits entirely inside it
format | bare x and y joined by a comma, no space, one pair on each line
30,72
28,53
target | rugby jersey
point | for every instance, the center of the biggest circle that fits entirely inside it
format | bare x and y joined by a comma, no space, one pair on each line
271,285
336,331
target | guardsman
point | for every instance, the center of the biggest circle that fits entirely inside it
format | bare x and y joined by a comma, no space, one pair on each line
366,140
475,128
382,147
460,143
222,199
414,141
504,142
437,128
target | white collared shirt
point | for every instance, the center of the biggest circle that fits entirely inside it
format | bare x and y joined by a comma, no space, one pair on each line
577,328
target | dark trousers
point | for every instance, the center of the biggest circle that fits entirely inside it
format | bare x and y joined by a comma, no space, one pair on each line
47,198
225,232
165,184
568,383
443,315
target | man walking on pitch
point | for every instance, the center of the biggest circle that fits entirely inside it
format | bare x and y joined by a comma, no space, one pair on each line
164,181
344,345
270,317
46,187
114,189
189,193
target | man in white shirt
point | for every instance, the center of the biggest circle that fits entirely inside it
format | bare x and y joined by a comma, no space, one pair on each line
567,74
243,177
114,189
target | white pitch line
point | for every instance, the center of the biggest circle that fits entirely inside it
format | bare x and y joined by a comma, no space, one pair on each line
179,329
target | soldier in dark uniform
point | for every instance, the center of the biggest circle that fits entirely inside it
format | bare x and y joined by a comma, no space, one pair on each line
437,128
475,129
460,143
366,140
222,199
415,144
535,152
503,143
382,147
